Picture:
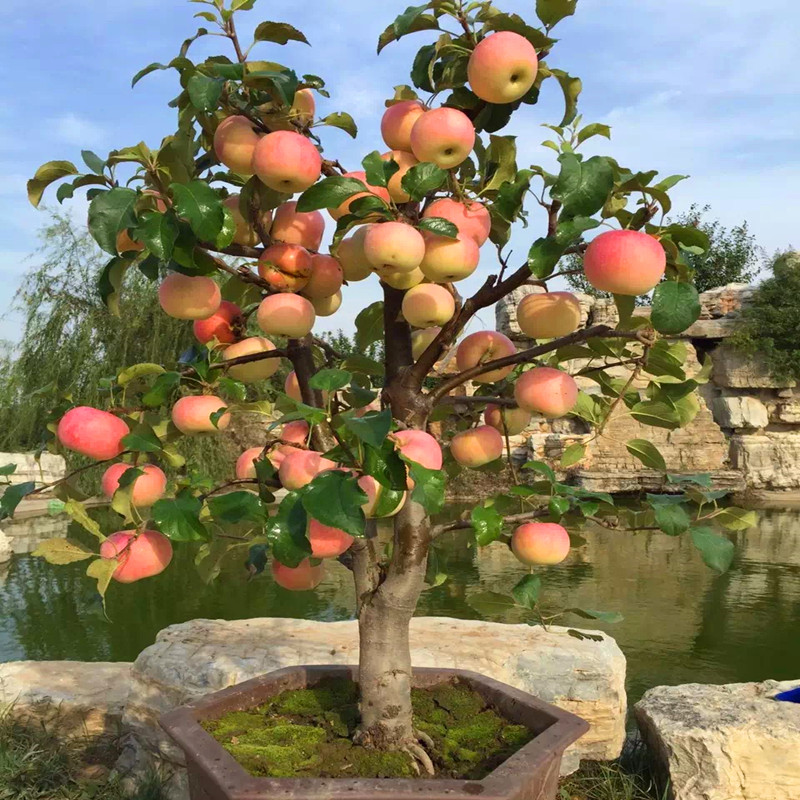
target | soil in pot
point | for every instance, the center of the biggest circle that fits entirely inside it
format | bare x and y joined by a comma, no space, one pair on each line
308,733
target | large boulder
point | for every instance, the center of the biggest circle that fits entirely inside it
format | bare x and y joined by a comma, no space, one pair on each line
734,369
729,742
195,658
85,699
740,412
769,460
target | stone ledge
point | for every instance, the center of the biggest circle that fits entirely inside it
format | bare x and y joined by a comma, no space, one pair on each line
86,699
202,656
729,742
622,482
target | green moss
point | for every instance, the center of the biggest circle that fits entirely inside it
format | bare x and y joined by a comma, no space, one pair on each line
461,701
308,733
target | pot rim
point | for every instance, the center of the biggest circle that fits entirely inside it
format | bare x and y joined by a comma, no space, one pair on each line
559,729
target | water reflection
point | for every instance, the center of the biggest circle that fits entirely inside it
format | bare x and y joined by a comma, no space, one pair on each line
683,623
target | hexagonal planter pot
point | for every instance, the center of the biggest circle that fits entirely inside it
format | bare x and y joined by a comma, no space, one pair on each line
530,774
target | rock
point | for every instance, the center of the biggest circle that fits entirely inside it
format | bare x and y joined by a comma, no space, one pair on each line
740,412
82,698
787,413
726,301
202,656
506,311
713,328
736,370
604,312
698,447
769,460
6,550
628,481
724,742
46,469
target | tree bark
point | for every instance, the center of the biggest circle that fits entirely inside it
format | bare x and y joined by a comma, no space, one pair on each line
385,650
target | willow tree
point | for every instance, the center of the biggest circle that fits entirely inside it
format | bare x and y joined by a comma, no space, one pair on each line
355,442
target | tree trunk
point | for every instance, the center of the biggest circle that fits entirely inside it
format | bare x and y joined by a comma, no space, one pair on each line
385,651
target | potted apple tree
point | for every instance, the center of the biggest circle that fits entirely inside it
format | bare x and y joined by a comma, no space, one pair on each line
226,214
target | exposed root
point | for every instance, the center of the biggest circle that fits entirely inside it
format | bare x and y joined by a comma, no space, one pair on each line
421,758
424,739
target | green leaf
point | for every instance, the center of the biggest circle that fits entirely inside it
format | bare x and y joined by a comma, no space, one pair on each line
526,592
429,485
138,371
673,519
109,213
8,469
404,22
179,519
334,498
287,531
45,175
501,161
676,306
93,161
110,282
491,604
647,453
369,325
736,519
558,506
594,129
372,428
366,366
420,22
329,193
602,616
717,551
158,233
511,194
572,88
656,414
688,237
583,186
377,170
234,389
77,511
204,92
439,226
497,21
542,469
487,522
102,570
278,33
142,439
178,63
385,465
422,179
234,507
330,380
552,11
161,390
573,454
198,203
62,551
343,121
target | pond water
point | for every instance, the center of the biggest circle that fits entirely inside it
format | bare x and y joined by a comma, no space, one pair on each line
682,622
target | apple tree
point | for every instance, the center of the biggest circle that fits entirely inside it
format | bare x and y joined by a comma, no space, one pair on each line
228,214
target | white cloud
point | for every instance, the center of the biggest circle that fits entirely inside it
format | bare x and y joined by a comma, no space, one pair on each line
75,130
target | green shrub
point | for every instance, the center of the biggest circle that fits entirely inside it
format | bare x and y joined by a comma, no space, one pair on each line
772,323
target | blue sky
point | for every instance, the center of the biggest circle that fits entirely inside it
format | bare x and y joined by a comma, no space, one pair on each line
708,88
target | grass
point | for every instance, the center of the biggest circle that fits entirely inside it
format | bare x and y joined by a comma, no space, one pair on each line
36,763
628,778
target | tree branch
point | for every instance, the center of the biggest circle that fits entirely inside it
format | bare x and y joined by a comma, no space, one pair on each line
524,356
463,524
